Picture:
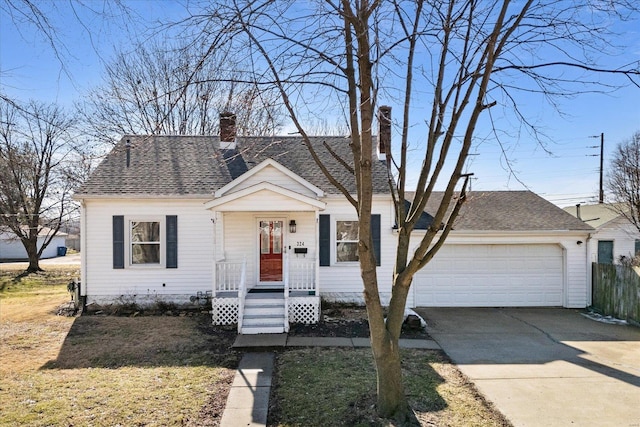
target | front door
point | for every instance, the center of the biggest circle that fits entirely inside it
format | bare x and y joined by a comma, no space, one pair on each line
271,248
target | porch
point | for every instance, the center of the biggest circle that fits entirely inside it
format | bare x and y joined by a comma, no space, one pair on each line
265,308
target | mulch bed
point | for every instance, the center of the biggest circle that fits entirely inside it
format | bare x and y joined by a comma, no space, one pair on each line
338,320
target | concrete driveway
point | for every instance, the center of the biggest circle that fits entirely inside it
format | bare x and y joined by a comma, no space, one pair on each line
545,367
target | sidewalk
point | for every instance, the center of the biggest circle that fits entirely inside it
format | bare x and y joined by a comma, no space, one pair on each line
248,400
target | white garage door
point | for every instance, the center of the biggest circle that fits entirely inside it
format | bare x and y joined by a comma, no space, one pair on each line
491,276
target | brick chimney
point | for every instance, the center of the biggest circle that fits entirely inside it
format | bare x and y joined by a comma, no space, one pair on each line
384,134
227,131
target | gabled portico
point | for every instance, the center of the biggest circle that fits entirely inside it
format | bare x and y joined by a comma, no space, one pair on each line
265,250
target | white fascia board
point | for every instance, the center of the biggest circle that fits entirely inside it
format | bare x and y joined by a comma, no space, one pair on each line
269,187
523,233
266,163
375,196
81,197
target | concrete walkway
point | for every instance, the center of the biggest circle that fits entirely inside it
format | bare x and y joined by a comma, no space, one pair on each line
248,400
545,367
275,341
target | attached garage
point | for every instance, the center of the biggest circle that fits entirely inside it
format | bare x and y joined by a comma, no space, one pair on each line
506,249
492,275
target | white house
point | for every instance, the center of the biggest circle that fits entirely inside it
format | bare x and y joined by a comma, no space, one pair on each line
11,248
255,224
614,235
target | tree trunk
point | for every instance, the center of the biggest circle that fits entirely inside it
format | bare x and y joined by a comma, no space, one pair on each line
392,402
34,257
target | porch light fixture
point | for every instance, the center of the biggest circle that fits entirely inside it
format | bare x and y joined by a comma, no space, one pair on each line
292,226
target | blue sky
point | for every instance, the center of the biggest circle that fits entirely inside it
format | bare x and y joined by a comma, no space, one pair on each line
30,70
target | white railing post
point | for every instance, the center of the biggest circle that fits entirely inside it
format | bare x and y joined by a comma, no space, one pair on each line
286,291
241,294
303,275
215,277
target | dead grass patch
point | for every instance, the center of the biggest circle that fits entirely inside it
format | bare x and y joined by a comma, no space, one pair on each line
170,370
320,387
152,371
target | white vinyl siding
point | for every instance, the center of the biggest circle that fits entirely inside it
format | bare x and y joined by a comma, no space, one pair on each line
622,233
342,281
195,250
273,176
264,198
236,240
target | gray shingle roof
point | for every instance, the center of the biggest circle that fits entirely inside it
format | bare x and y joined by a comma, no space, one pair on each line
194,165
508,211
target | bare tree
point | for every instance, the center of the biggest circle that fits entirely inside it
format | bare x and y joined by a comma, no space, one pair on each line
43,19
453,61
623,180
160,89
39,167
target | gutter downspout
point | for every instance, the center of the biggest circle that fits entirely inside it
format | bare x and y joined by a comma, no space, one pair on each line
589,271
83,253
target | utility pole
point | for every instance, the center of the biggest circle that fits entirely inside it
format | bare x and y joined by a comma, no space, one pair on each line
601,192
601,198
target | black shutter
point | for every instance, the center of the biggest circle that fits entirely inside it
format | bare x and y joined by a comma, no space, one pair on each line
172,241
325,240
118,241
375,236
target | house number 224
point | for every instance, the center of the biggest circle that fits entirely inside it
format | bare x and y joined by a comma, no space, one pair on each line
299,244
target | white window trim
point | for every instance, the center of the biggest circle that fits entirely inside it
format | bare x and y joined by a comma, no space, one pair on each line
334,242
128,242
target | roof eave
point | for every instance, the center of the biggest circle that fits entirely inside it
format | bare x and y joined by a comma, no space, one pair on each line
513,232
141,196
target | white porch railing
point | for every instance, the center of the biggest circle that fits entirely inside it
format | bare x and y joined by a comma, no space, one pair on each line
302,275
242,292
285,279
229,276
301,297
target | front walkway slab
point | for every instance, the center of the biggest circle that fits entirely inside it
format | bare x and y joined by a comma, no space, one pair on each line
282,340
248,400
319,342
260,340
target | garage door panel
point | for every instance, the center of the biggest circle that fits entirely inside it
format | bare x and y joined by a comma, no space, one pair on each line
492,275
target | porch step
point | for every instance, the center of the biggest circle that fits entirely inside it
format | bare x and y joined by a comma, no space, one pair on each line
264,310
263,313
267,288
264,296
264,329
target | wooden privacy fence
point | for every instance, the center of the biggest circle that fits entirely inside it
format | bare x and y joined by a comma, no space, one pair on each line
616,291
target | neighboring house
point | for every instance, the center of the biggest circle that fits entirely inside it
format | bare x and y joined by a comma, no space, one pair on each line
11,248
254,222
615,236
